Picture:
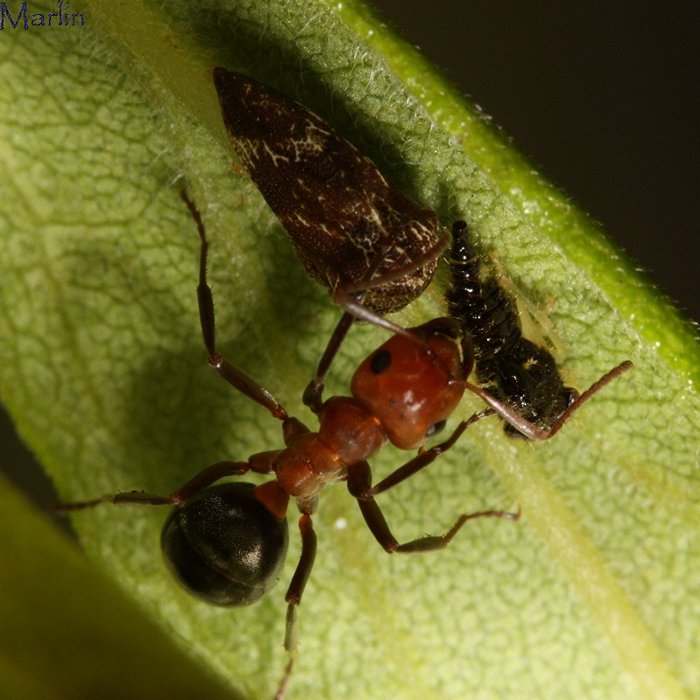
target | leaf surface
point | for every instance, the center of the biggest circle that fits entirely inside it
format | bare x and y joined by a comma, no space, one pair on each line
103,369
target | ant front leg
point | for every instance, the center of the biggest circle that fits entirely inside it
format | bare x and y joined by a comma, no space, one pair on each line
313,394
349,297
360,485
350,300
234,376
353,310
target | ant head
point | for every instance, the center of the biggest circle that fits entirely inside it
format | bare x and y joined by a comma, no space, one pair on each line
412,385
224,546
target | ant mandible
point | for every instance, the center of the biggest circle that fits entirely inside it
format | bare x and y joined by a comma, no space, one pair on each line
226,543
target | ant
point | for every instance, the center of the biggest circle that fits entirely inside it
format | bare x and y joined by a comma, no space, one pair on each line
226,542
513,370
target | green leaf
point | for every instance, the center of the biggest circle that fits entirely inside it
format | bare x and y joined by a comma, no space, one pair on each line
102,367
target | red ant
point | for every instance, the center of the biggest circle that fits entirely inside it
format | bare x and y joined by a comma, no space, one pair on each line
226,543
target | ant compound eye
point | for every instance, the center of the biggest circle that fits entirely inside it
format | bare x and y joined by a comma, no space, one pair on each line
224,546
436,428
380,361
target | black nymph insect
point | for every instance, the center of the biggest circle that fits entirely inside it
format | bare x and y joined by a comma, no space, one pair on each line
509,367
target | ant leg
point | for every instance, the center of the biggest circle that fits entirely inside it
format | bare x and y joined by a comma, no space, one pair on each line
349,302
424,458
360,481
533,431
197,483
313,393
349,297
261,464
293,597
284,682
234,376
354,310
137,497
301,576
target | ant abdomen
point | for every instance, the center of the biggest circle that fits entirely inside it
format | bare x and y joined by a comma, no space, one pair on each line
224,546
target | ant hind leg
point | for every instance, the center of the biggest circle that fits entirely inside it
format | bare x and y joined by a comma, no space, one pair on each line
359,482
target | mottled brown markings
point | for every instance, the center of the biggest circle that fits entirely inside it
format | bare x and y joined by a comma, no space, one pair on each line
341,213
